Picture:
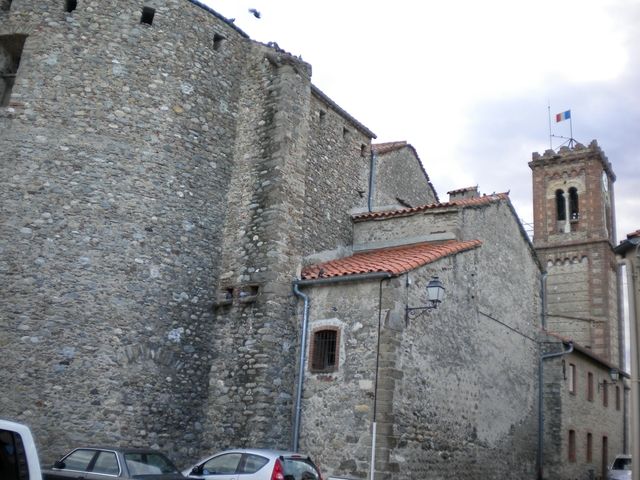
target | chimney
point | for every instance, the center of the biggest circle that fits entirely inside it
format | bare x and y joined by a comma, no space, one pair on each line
463,193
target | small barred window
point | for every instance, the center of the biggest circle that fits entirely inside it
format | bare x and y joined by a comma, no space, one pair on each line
324,354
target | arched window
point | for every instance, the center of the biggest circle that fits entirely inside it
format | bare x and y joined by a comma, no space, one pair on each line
560,205
573,204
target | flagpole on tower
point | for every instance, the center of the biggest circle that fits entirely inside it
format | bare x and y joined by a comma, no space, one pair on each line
550,134
571,141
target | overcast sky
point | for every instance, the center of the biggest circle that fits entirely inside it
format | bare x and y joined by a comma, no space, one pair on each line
467,83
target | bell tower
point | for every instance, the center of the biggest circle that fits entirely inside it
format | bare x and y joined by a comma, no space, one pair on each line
574,236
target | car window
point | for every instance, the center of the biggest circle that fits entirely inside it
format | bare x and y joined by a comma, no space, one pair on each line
13,462
79,459
148,463
226,463
622,464
300,469
252,463
106,463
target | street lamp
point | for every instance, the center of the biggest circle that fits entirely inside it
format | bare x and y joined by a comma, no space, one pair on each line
614,373
435,296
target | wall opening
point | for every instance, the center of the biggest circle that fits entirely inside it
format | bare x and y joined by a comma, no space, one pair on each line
573,204
10,53
324,354
561,213
70,5
605,456
571,447
589,448
590,387
147,15
572,378
217,41
5,5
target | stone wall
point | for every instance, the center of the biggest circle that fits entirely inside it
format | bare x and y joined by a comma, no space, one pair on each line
160,186
565,411
457,385
401,179
116,158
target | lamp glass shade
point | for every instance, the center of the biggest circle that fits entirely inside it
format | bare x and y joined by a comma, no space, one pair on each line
615,374
435,291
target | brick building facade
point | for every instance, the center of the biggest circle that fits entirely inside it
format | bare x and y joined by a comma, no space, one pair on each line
586,412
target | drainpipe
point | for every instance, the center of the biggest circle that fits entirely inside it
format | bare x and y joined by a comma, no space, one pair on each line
305,324
543,298
372,177
632,278
540,400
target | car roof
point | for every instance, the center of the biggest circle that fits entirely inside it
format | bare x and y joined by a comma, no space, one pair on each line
266,452
117,449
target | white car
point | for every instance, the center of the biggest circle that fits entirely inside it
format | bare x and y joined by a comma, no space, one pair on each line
254,464
620,469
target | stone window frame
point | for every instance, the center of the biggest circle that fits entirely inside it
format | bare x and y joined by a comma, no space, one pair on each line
313,345
571,446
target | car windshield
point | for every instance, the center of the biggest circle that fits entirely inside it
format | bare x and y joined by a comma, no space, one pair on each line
621,464
300,469
148,463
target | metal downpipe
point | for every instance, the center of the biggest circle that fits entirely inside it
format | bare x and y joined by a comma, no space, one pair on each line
303,347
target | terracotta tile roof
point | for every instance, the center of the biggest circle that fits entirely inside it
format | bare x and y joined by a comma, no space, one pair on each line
382,148
467,202
395,260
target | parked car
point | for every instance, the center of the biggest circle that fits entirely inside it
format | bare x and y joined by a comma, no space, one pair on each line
97,463
255,464
18,453
620,469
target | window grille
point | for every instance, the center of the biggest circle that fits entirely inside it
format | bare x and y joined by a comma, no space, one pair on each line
325,351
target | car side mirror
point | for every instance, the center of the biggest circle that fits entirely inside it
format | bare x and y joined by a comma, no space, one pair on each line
197,470
59,464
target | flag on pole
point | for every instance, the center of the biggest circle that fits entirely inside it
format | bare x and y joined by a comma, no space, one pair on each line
563,116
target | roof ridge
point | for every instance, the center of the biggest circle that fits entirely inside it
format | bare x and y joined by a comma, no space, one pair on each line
468,202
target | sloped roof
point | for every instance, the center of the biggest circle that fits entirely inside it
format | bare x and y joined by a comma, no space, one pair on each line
587,352
634,234
394,260
466,202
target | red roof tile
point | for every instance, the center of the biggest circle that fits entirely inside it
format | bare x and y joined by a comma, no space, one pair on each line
467,202
395,260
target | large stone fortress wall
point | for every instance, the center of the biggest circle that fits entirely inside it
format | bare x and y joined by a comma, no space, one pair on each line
159,187
117,155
